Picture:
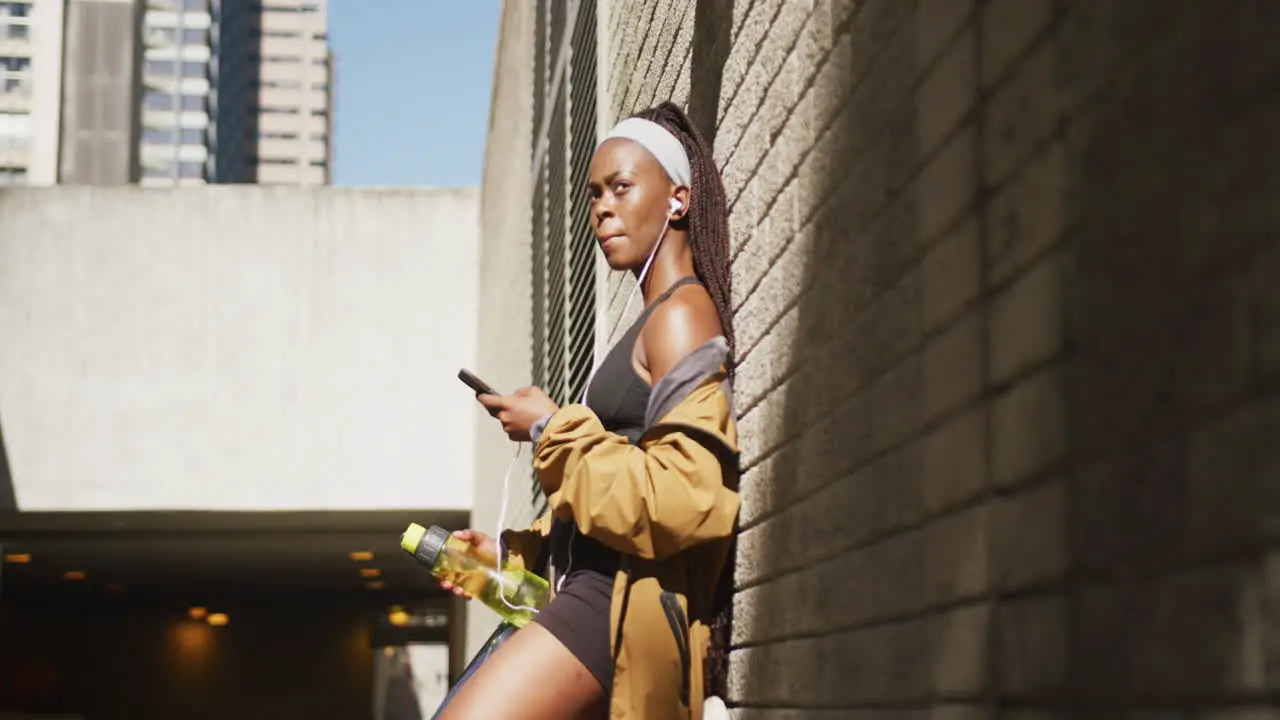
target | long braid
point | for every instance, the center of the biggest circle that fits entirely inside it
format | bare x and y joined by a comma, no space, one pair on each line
708,216
708,223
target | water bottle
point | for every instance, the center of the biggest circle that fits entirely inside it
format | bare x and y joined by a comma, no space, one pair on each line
515,594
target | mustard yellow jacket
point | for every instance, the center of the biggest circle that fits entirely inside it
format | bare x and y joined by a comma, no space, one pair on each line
669,505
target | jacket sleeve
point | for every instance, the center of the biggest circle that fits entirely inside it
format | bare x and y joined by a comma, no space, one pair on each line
524,547
652,500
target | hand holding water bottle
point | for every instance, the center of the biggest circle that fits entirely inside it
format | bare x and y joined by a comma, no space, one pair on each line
487,549
466,563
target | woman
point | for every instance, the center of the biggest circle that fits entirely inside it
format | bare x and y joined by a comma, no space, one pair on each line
641,475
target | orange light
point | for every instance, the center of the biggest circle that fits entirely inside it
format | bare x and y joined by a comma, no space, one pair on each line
217,619
73,575
18,558
375,585
398,616
197,613
361,556
370,572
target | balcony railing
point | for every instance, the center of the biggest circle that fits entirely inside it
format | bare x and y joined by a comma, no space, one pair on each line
161,37
15,90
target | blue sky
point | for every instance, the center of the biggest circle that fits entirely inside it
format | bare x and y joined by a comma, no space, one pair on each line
413,85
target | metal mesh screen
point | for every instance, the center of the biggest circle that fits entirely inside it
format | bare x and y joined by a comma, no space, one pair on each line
581,244
563,247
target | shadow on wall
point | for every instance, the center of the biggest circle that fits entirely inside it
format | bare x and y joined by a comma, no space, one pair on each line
1027,448
1171,312
8,498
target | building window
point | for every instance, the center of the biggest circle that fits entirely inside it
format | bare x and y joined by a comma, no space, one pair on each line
193,36
195,5
282,59
161,68
159,101
191,169
193,102
275,135
192,136
279,34
16,130
13,176
284,8
14,32
318,163
15,64
273,110
159,136
322,87
14,9
321,112
16,84
195,68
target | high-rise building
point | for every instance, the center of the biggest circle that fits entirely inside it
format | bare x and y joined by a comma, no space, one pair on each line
234,72
31,34
100,93
165,92
274,75
175,112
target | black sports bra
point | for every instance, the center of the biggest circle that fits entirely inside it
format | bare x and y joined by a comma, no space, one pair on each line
617,394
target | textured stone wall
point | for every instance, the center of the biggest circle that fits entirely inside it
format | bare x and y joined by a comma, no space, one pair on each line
1006,286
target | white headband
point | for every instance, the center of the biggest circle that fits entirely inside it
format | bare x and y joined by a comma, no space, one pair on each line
660,143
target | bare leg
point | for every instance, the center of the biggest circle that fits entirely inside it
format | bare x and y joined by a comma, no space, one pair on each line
530,677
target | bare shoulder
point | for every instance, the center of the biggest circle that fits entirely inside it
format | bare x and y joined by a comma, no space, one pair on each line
677,327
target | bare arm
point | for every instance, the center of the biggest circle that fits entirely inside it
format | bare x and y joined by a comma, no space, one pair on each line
678,327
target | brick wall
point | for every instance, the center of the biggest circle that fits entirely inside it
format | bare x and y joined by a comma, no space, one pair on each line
649,48
1006,288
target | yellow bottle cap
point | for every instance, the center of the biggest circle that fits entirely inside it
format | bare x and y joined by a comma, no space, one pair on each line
412,537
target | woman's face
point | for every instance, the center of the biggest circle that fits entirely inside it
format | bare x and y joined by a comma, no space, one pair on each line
630,201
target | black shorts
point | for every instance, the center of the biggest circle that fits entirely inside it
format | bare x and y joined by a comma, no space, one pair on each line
578,617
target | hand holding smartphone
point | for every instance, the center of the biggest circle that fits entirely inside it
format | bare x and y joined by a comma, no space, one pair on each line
518,412
479,386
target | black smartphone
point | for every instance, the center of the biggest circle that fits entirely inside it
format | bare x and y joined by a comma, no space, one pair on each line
475,383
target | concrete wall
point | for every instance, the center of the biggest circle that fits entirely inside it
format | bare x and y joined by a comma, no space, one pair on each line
101,92
47,22
1008,326
504,353
237,348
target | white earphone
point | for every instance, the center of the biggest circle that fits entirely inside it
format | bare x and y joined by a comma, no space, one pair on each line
675,204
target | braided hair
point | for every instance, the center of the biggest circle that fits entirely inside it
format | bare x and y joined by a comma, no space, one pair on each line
708,226
708,216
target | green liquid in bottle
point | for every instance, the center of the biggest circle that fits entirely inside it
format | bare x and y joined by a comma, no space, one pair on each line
516,595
